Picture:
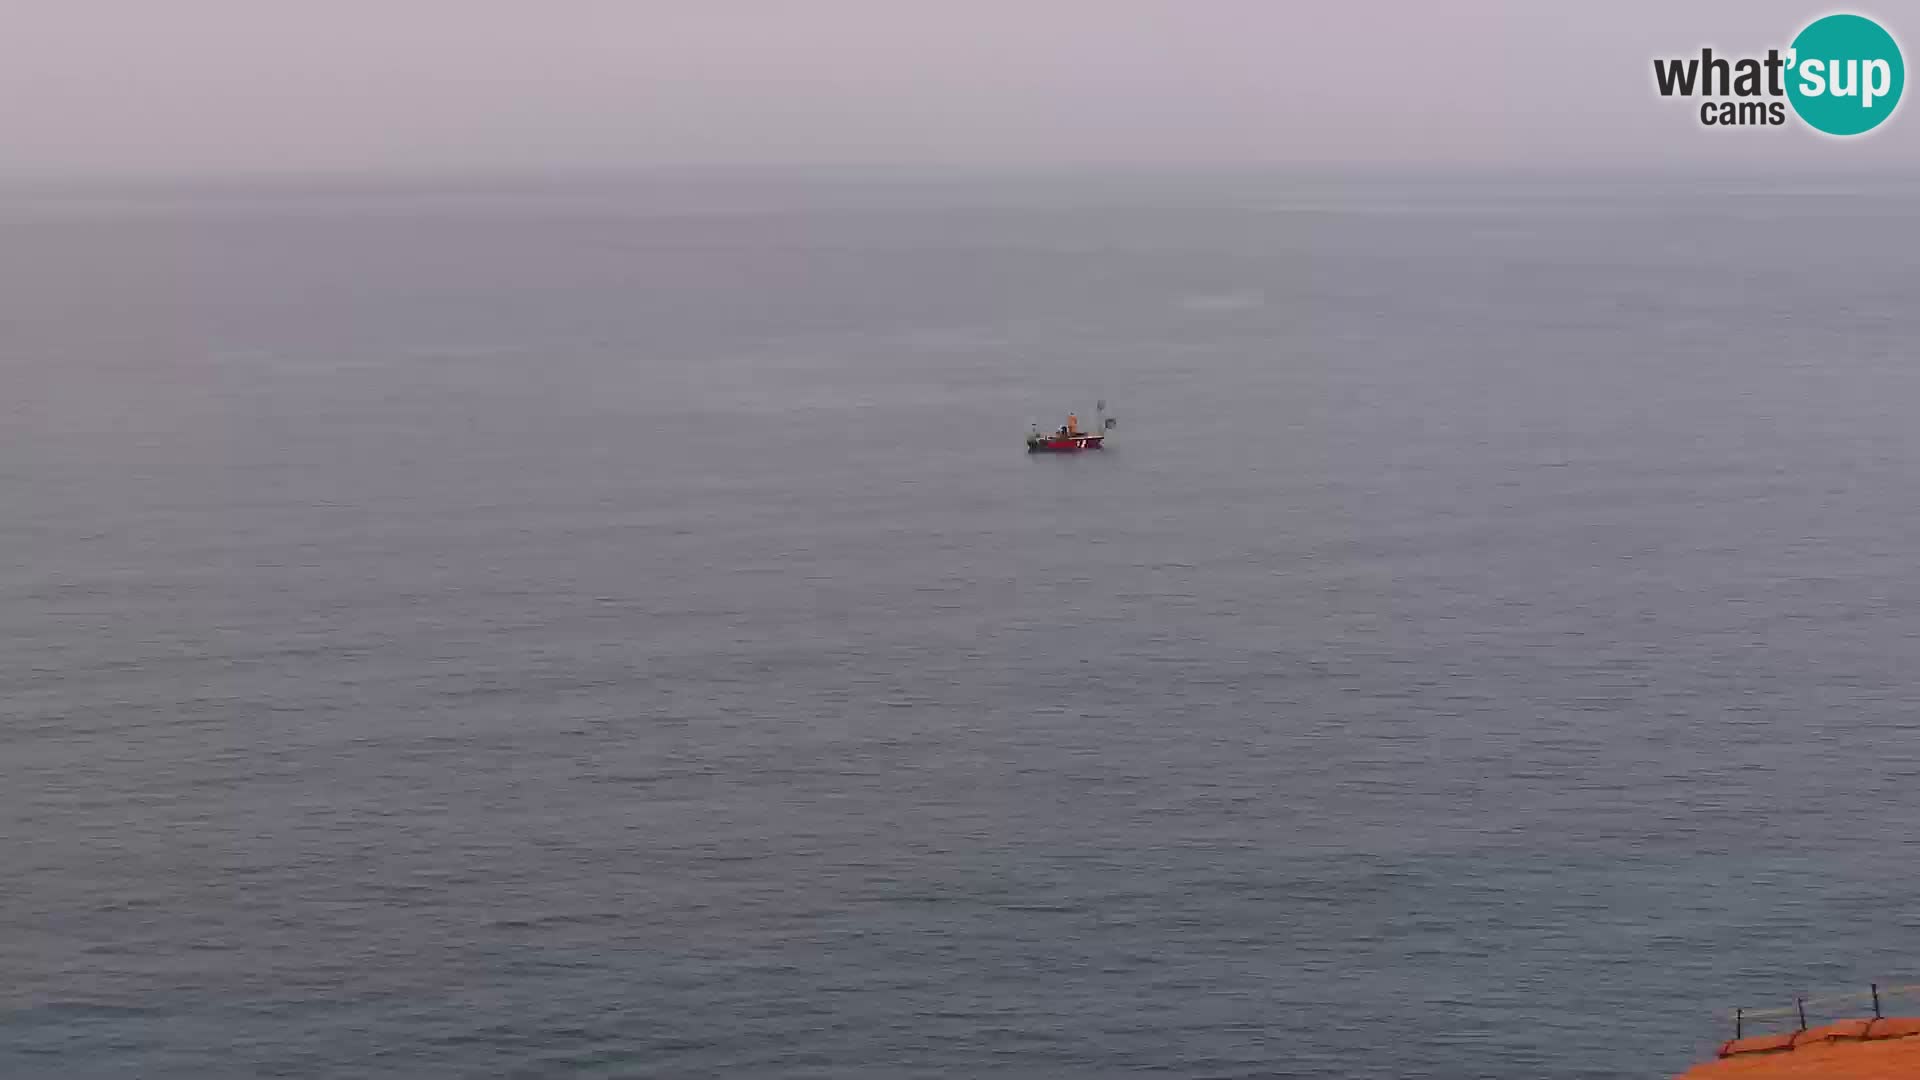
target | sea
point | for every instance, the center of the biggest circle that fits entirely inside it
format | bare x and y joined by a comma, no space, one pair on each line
613,628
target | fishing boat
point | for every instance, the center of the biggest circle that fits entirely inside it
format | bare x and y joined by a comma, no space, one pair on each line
1069,438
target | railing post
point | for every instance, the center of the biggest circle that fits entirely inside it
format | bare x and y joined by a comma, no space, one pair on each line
1876,1001
1739,1022
1801,1004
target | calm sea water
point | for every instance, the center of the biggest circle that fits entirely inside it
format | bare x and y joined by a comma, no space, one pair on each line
617,631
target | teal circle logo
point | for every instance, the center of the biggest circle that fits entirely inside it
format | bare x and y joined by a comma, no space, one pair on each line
1846,74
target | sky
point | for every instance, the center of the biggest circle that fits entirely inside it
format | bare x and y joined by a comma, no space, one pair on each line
108,88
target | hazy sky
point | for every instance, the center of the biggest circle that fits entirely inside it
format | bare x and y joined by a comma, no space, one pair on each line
110,87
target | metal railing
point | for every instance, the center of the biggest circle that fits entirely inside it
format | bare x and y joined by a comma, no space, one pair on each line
1833,1005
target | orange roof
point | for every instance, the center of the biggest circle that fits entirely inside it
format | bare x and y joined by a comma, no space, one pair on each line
1844,1050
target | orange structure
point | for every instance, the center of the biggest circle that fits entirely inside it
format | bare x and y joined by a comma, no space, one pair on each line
1866,1049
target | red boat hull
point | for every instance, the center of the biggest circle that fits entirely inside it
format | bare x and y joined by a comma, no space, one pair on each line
1064,444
